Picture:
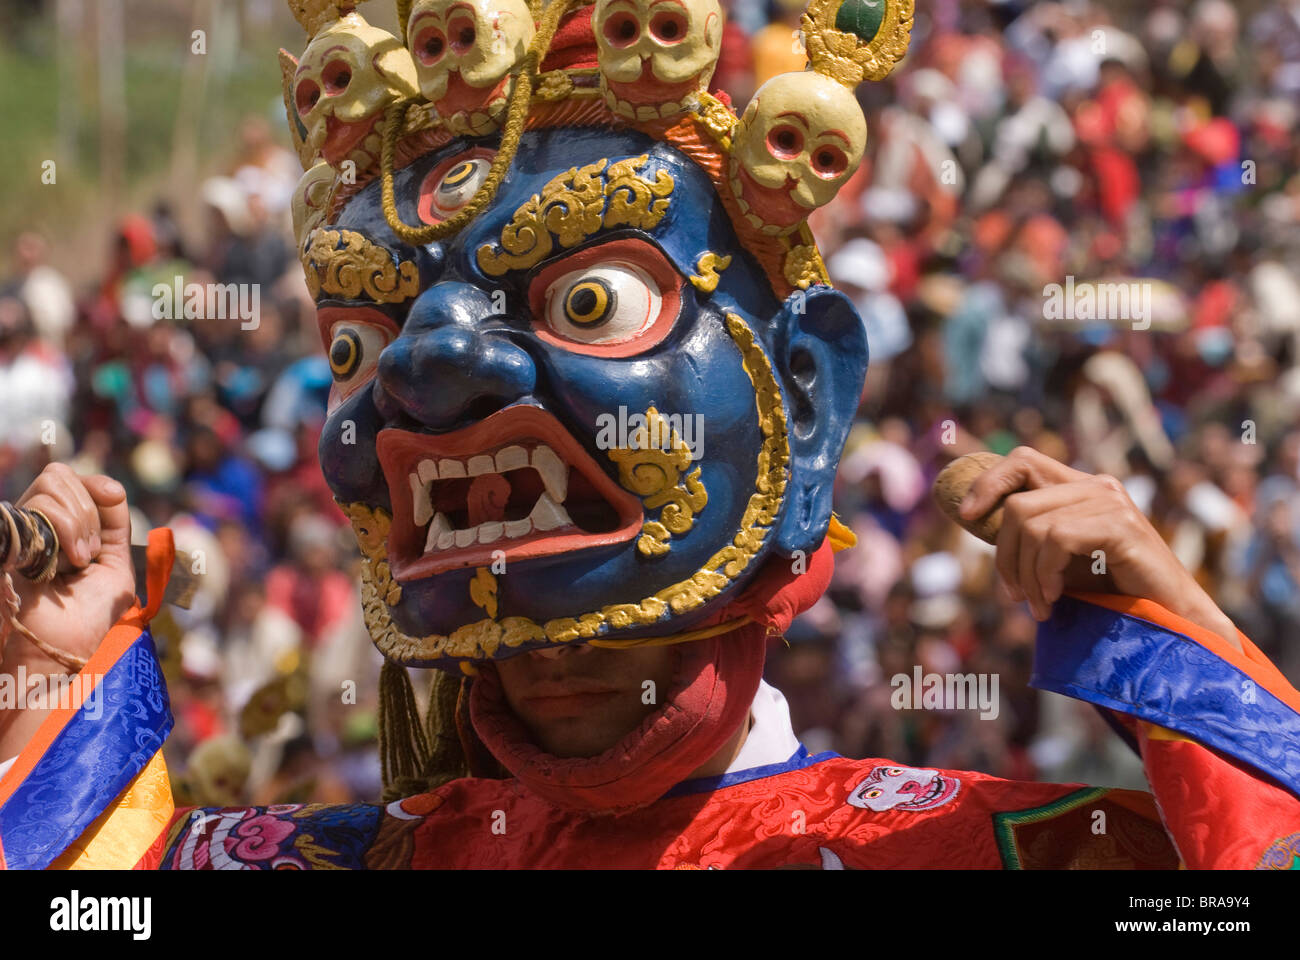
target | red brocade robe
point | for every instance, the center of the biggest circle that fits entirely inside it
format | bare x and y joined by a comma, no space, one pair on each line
1218,732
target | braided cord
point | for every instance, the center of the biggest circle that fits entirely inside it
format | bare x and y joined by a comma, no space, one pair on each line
403,14
516,115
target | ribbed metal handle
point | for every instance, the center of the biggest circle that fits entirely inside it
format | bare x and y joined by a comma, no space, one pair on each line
28,544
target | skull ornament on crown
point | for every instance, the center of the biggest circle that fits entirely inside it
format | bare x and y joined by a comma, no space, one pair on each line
655,54
348,75
801,137
310,200
464,52
803,134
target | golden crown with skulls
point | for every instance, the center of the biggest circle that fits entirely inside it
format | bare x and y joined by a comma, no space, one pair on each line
362,103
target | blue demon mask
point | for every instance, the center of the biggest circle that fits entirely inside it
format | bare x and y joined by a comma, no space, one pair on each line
552,443
589,376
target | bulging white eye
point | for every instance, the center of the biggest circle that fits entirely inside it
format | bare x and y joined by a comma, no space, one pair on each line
604,304
354,350
458,186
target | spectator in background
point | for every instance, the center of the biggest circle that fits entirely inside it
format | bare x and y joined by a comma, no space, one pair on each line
1018,145
309,587
776,47
42,289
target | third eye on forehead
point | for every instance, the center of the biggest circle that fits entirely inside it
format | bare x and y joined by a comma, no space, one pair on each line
457,175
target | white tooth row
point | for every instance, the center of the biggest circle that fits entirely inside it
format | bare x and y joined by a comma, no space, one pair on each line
547,513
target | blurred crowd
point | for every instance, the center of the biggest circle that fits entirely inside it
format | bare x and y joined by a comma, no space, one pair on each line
1020,144
213,429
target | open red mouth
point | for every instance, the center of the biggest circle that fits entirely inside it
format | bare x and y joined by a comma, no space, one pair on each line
516,482
650,89
936,792
341,137
461,97
777,206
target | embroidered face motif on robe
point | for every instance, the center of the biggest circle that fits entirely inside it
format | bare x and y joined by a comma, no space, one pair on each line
904,788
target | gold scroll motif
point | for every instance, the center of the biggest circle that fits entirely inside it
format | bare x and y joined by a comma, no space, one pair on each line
483,591
709,265
716,117
356,268
482,639
801,266
315,14
652,468
575,205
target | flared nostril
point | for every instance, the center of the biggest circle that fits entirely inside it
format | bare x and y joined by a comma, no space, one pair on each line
484,407
448,369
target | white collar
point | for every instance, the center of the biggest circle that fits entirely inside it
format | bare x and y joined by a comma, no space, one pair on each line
771,736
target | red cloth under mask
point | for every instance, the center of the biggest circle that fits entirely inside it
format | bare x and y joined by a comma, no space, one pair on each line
713,687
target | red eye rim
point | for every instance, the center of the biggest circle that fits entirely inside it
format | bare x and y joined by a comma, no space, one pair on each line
303,98
828,169
423,39
669,27
457,31
629,250
621,29
429,185
785,142
335,77
327,318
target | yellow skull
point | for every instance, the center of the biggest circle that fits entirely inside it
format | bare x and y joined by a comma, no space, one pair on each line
654,54
348,75
801,137
464,51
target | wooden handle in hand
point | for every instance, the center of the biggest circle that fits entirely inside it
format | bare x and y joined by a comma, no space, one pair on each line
954,482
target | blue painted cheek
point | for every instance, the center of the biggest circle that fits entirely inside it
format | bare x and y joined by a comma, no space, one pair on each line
702,378
703,374
347,451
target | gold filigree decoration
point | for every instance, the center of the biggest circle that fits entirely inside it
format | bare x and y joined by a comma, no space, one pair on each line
634,201
371,530
817,268
801,266
483,591
418,117
312,15
709,266
553,85
716,117
651,466
575,205
482,639
355,268
846,57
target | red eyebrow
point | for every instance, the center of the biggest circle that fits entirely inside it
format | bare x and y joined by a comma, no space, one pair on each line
792,113
302,66
326,317
835,133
